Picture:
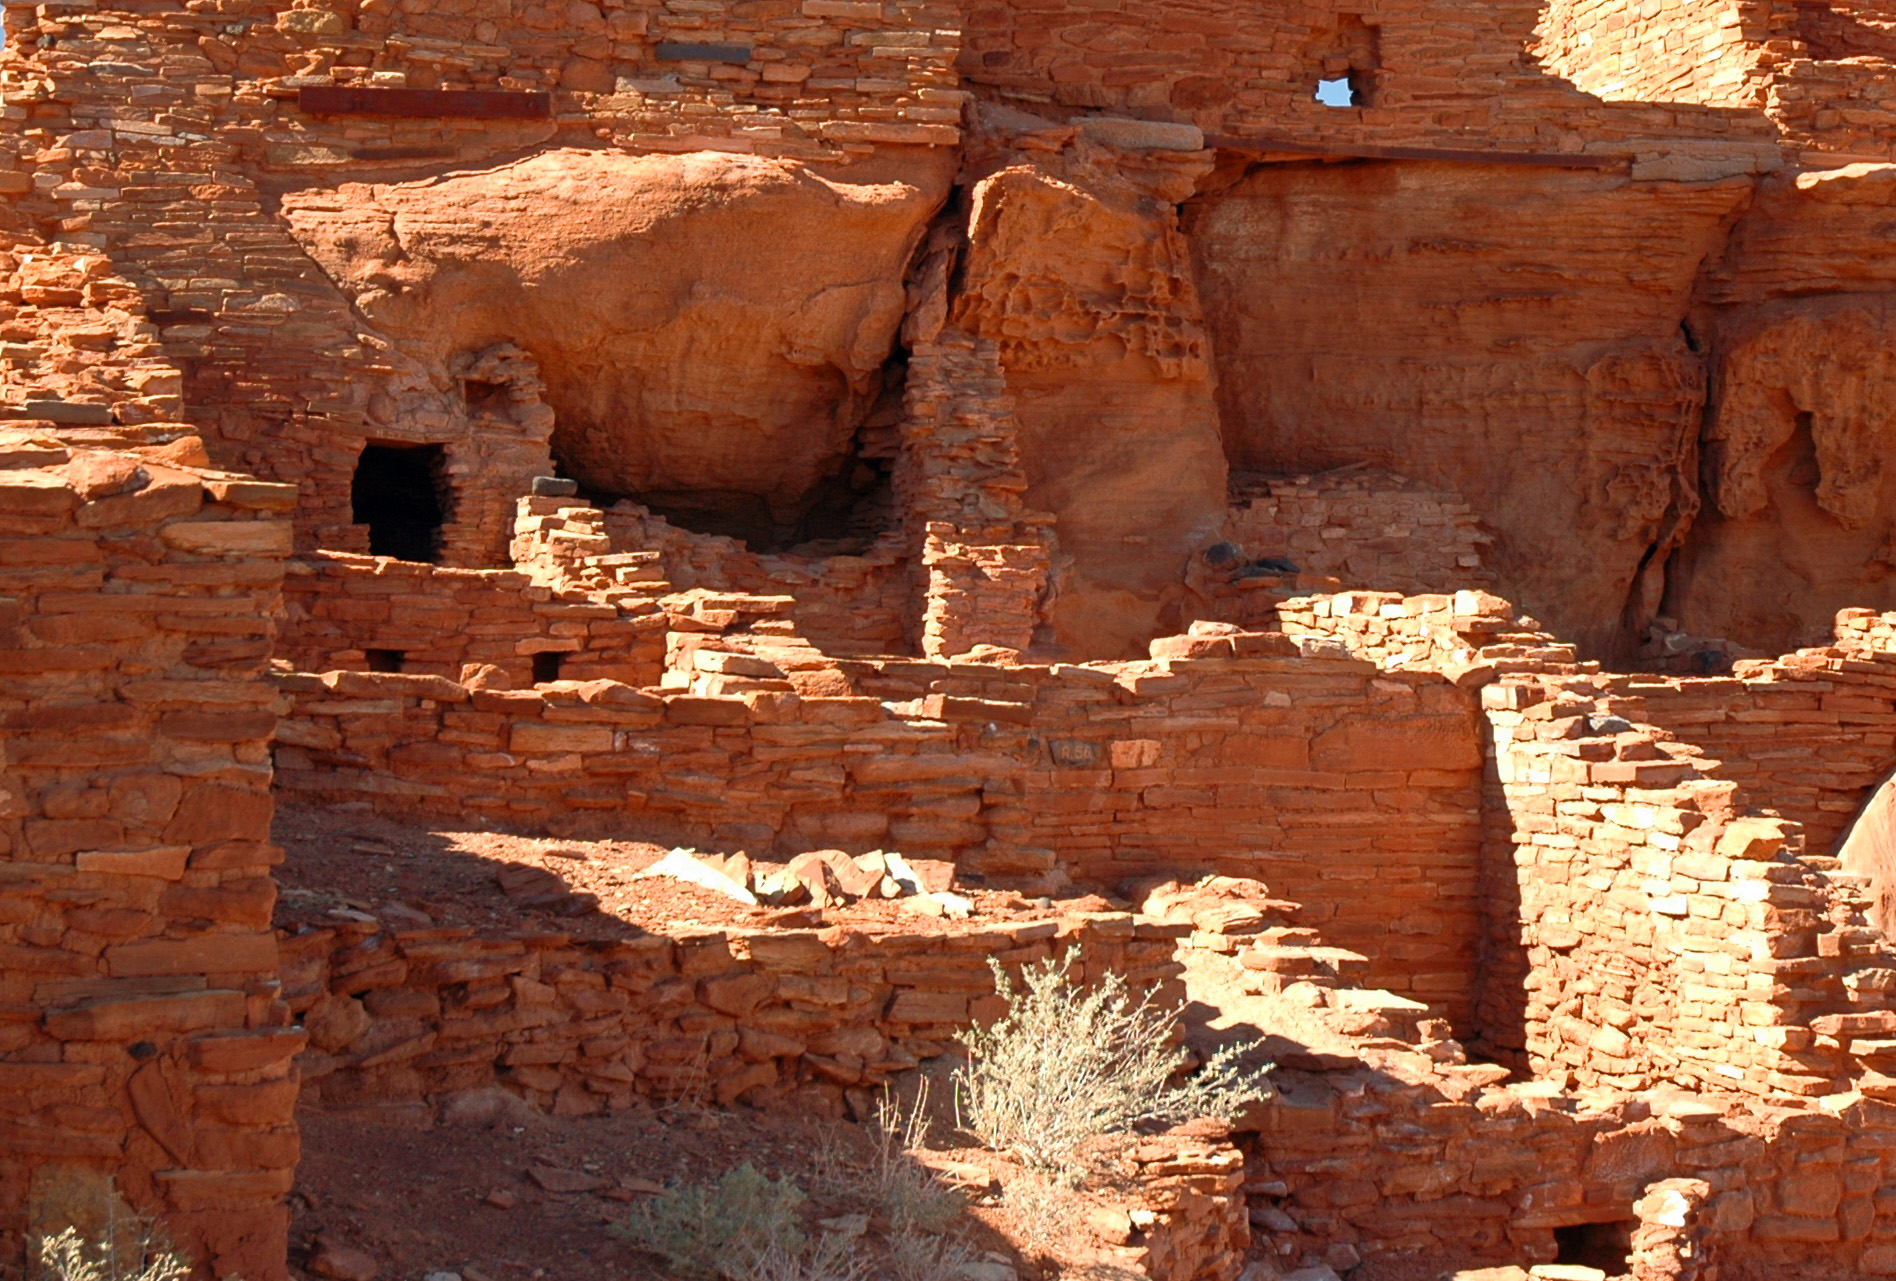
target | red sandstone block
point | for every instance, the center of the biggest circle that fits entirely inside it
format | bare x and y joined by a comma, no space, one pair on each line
65,1078
220,812
51,839
25,1139
267,1103
912,1005
224,1189
687,709
127,1018
165,862
246,1051
230,855
71,658
204,954
218,727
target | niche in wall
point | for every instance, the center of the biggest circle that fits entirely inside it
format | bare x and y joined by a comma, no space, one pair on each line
1347,60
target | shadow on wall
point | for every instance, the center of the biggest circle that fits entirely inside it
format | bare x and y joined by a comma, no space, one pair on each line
1799,519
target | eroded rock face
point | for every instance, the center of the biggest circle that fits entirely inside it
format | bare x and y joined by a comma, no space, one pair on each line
711,327
1086,286
1508,335
1801,509
1800,514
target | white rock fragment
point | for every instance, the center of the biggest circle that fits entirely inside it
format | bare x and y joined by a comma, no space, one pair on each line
681,866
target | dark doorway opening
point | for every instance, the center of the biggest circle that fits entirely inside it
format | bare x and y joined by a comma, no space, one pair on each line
400,492
1606,1246
546,666
384,660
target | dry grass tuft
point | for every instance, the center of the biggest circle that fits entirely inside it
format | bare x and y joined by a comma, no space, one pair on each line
70,1257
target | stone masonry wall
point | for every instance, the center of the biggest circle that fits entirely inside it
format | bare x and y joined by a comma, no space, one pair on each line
444,621
845,604
1709,51
803,1017
144,1053
1366,528
1445,76
1401,1158
1349,791
1644,933
1806,735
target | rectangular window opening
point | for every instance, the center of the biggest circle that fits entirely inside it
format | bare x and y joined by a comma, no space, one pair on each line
546,666
1606,1246
1337,91
385,660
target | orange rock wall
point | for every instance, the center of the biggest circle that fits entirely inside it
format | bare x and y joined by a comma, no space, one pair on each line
1350,792
442,620
1423,364
1707,51
797,1017
143,1046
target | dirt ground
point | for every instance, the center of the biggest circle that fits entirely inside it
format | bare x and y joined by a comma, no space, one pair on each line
423,1197
339,862
399,1193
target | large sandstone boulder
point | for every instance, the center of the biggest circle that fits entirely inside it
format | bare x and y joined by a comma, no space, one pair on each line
711,328
1086,286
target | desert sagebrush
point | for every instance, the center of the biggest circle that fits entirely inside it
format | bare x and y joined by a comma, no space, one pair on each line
1065,1065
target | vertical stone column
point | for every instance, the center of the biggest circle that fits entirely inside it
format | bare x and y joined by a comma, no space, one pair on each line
984,557
146,1060
1671,1241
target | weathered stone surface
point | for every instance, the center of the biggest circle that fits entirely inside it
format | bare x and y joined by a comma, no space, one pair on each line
1418,363
711,327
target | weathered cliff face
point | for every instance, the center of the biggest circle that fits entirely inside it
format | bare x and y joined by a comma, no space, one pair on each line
1800,516
1085,283
711,328
1799,520
1510,335
1572,353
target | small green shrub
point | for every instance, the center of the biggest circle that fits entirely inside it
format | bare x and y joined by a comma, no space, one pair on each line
742,1228
1066,1065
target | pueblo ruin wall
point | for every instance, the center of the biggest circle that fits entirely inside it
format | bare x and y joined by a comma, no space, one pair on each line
1424,458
